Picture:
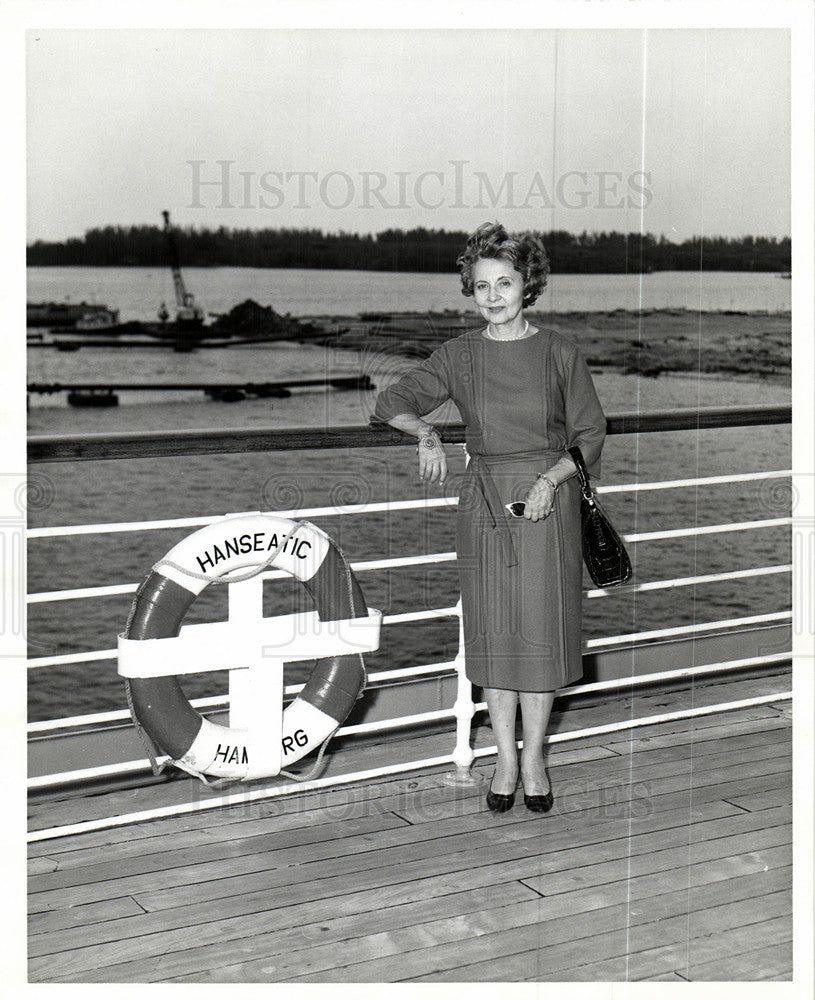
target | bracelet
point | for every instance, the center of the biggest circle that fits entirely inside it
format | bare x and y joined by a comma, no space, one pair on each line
546,479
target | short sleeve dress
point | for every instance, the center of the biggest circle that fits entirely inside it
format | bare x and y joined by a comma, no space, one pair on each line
523,402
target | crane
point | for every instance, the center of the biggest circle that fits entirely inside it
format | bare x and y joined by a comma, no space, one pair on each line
189,315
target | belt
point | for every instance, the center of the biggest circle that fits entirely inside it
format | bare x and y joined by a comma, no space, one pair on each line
478,470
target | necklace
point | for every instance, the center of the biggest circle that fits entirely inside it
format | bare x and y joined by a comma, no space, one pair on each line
519,336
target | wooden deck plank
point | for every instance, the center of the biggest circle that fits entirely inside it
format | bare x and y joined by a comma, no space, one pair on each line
307,959
278,945
680,856
75,916
761,964
763,800
745,731
552,963
722,951
566,805
358,800
113,889
71,874
432,839
441,845
609,883
530,951
426,868
326,906
326,839
495,862
575,789
296,950
289,812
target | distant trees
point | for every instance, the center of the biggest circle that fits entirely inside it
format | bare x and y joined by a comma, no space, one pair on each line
398,250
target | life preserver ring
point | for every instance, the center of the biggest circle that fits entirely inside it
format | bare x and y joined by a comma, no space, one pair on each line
220,550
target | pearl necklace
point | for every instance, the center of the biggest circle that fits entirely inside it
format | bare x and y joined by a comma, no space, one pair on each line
520,336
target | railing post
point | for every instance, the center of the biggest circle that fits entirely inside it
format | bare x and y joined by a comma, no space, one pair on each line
464,707
256,691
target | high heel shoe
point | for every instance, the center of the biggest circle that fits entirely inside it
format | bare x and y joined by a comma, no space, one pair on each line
497,802
540,803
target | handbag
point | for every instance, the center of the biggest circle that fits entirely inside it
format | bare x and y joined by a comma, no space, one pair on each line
603,551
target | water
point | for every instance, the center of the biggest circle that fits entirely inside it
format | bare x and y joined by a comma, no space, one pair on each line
71,493
137,292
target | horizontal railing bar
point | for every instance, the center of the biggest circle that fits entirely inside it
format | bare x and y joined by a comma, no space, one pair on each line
674,484
114,715
612,640
63,659
110,654
397,562
243,796
218,702
706,529
417,616
81,593
654,720
677,630
197,522
214,441
689,581
371,508
398,673
686,581
221,702
655,678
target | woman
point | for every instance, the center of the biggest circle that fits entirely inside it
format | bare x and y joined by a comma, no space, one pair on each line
525,395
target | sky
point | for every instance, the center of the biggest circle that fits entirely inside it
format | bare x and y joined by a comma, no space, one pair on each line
678,132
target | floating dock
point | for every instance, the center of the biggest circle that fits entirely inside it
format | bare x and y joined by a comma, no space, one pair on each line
104,393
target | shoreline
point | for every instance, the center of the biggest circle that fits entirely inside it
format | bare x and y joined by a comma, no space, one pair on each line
745,345
752,346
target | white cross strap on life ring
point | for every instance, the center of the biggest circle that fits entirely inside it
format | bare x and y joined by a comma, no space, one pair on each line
155,648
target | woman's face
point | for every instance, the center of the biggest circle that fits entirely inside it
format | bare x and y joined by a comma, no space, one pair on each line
498,290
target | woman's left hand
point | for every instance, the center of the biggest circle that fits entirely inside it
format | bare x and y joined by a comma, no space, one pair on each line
539,501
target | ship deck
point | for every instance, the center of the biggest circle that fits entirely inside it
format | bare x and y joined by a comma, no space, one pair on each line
667,857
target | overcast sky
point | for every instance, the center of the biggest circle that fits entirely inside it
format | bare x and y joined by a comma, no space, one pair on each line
677,132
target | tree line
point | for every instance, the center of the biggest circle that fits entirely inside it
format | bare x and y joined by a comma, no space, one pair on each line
419,249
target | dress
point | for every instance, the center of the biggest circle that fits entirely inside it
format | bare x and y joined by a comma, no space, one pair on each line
523,402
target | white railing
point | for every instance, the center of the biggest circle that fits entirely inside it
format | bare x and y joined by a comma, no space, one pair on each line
464,708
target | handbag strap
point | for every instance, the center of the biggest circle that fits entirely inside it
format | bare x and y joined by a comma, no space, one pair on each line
582,473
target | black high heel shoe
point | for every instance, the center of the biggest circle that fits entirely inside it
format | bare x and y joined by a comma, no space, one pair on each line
497,802
540,803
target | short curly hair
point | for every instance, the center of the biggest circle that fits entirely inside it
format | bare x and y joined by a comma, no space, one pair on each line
525,252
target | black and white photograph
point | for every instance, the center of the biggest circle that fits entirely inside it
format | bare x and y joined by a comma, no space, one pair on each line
407,527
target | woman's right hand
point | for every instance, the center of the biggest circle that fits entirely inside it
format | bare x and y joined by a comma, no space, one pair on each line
432,459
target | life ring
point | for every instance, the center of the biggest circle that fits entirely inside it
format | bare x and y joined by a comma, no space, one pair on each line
220,550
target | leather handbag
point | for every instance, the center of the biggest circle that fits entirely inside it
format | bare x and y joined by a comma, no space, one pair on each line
603,551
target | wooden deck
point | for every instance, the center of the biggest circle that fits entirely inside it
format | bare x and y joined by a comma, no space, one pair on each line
667,857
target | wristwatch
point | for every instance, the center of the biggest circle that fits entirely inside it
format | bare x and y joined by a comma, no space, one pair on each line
430,440
546,479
